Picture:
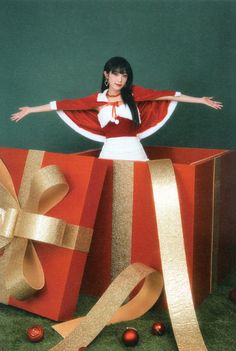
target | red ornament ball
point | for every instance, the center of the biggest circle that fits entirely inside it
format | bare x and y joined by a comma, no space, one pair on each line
158,328
232,295
130,337
35,333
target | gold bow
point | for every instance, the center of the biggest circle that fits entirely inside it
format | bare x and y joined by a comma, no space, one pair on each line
22,220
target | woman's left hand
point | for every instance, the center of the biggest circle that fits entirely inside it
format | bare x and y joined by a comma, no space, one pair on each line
212,103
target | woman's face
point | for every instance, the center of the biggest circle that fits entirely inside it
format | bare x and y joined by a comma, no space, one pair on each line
116,80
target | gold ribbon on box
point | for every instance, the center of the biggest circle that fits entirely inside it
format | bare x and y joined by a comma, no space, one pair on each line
122,215
82,331
22,219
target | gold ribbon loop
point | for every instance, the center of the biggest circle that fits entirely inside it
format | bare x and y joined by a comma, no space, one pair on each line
6,181
7,224
7,199
81,331
24,273
40,190
48,187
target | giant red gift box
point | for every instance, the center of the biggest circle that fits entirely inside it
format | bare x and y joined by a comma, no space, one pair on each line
207,193
63,267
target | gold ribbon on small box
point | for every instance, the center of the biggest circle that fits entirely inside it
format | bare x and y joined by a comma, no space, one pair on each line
22,219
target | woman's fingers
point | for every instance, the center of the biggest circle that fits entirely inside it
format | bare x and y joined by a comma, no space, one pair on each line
23,111
217,105
15,118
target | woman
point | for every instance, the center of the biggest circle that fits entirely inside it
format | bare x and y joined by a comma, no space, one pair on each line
121,115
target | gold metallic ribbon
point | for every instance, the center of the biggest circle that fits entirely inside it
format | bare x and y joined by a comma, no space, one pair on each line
178,293
21,273
122,215
82,331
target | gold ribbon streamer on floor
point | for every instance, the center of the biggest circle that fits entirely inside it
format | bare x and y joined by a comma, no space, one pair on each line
21,273
81,332
179,298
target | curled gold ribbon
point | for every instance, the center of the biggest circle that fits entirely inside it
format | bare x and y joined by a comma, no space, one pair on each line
22,221
81,332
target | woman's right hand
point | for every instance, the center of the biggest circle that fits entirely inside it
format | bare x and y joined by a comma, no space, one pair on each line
23,112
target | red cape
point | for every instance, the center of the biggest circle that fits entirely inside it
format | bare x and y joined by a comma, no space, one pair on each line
80,114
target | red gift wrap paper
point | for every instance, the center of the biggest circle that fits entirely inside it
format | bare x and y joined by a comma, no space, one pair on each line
63,267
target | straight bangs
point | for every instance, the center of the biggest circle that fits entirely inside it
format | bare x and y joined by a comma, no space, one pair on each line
119,69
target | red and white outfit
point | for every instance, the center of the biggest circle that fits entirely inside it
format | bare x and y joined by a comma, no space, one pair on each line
113,125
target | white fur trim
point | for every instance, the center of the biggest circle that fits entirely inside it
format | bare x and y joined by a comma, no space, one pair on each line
155,128
53,105
102,97
105,114
79,130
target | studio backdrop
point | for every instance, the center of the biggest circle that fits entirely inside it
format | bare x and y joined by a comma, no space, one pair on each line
55,49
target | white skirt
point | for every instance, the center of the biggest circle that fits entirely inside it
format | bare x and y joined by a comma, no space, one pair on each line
123,148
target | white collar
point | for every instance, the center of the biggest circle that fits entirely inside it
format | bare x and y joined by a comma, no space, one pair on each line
102,97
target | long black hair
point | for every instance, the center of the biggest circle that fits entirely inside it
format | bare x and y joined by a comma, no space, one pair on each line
121,65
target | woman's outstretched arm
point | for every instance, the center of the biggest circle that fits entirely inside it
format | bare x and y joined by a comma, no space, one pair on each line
26,110
197,100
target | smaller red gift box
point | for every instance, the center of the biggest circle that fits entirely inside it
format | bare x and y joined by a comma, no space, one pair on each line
206,180
63,267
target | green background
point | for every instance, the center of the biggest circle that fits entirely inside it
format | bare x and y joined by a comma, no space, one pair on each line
56,49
